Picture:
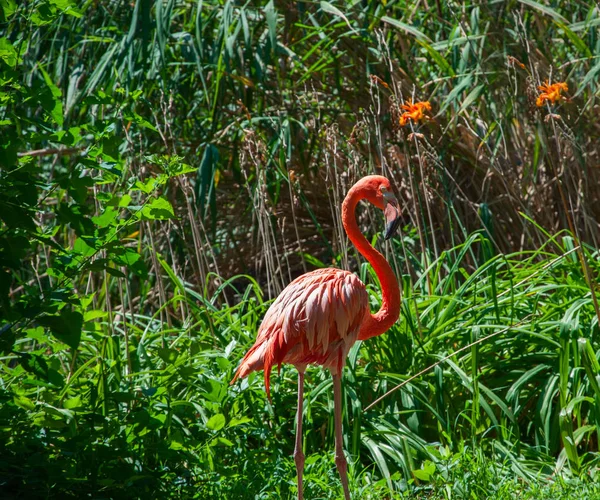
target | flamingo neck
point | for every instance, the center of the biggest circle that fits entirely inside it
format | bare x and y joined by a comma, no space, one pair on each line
382,320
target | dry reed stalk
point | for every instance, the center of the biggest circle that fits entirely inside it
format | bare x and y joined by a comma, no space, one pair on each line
162,296
124,322
266,254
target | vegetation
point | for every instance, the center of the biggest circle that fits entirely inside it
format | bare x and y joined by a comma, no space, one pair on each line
167,167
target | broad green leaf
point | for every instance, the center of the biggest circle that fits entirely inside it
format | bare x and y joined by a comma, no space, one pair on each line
37,333
94,314
223,441
7,52
239,421
74,402
108,218
425,473
168,355
67,7
127,258
216,422
35,364
65,326
24,403
9,7
158,209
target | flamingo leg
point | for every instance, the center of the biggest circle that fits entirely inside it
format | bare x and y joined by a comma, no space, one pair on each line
340,458
298,454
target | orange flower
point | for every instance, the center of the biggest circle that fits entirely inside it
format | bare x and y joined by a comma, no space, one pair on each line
414,111
550,92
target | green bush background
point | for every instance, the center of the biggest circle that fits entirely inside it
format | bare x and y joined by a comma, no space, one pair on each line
167,167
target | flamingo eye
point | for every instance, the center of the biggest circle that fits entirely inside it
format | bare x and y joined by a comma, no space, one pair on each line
387,195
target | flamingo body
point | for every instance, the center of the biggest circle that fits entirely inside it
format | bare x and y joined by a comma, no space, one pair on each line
321,314
315,320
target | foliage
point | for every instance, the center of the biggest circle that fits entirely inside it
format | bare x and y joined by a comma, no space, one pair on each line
167,167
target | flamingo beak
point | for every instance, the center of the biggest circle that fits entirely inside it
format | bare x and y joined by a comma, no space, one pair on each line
392,215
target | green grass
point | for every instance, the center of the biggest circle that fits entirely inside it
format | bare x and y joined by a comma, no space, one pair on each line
166,168
490,419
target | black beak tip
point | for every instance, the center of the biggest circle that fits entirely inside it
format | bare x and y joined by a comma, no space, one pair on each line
390,228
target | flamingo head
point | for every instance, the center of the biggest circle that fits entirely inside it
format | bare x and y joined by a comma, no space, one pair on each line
378,191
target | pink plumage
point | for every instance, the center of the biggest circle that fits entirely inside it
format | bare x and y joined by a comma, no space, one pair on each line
315,320
321,314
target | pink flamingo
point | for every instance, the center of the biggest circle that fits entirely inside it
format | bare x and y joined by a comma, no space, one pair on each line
321,314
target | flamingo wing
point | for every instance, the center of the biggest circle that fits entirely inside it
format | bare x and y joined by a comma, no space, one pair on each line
316,319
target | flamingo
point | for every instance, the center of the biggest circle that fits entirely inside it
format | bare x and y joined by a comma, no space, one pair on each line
321,314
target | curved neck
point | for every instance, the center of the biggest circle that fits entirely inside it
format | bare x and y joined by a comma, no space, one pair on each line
382,320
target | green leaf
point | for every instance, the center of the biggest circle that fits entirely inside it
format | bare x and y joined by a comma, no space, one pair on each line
38,333
216,422
168,355
35,364
206,176
271,15
7,52
127,258
471,98
590,75
379,459
71,403
407,28
125,200
575,40
544,9
114,272
456,91
437,57
223,441
239,421
426,472
332,9
66,326
108,218
56,111
158,209
313,261
82,248
24,403
67,7
94,314
9,7
142,122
